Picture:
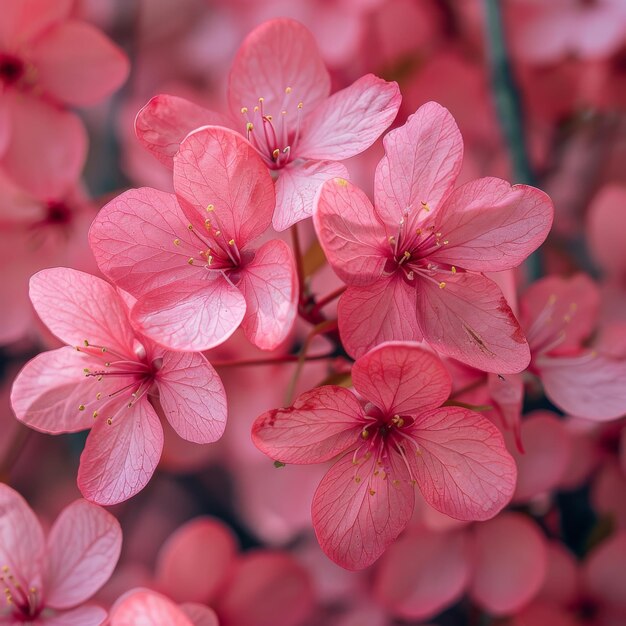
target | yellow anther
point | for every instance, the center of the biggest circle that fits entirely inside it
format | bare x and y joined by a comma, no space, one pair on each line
445,242
437,234
190,260
190,226
99,378
94,414
372,492
210,259
261,100
98,395
407,255
107,364
453,269
86,370
425,206
395,482
365,433
342,182
287,89
231,242
81,407
103,349
283,112
442,284
244,110
250,125
300,105
276,153
391,239
357,479
268,118
210,208
109,421
177,242
218,233
86,343
418,231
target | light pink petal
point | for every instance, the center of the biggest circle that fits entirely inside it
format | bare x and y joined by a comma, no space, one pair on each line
401,378
5,125
321,424
461,464
269,286
470,320
24,19
133,239
192,396
79,307
507,392
119,458
49,390
60,140
421,163
352,236
277,55
351,120
510,563
546,457
22,546
423,573
191,315
490,225
604,569
199,615
589,385
166,120
142,607
296,188
562,582
83,548
384,311
218,176
82,616
195,561
357,513
266,589
102,69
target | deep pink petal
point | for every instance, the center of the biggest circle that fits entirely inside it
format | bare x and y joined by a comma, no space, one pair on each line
142,607
462,466
384,311
49,390
61,143
470,320
79,307
350,121
141,241
83,548
102,69
490,225
421,163
296,188
321,424
5,124
82,616
22,547
191,315
277,55
269,285
507,392
199,615
589,385
401,378
509,563
563,577
24,19
352,236
192,396
359,510
219,177
119,458
423,573
603,571
166,120
195,561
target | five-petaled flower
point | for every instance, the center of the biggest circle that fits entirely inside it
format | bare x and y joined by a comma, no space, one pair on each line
114,380
397,436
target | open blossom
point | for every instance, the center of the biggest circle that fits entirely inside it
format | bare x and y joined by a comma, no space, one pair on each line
279,99
39,75
45,581
189,258
413,261
559,315
114,380
397,437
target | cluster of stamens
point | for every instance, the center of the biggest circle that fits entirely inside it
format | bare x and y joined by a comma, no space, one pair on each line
24,601
273,138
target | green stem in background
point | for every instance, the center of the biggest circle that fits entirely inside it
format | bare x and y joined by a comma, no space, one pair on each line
508,106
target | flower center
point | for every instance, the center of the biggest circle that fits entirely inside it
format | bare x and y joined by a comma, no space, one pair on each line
24,601
12,69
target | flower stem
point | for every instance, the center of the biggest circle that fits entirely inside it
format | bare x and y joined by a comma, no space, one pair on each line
287,358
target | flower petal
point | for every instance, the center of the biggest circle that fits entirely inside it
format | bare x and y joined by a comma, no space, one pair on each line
192,396
216,167
166,120
25,19
462,466
119,458
142,607
321,424
421,163
352,236
470,320
358,509
269,286
199,614
82,616
83,548
351,120
384,311
490,225
401,378
296,188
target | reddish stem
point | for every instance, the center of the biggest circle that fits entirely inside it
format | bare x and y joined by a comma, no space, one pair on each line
287,358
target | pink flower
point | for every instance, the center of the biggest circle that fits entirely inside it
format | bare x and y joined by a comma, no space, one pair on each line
114,379
47,581
39,75
192,265
279,98
413,261
559,315
398,436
